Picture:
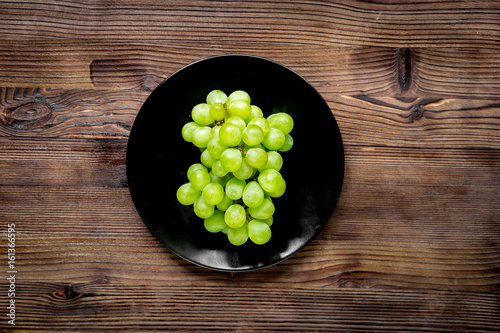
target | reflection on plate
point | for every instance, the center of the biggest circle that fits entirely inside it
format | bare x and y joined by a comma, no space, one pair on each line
158,158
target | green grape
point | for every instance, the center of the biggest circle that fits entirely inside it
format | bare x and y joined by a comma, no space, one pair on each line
253,195
216,179
238,236
279,192
270,180
264,211
201,114
259,232
230,134
215,148
225,230
216,96
194,167
199,179
245,171
256,157
215,132
274,139
268,221
215,223
225,203
234,188
238,121
239,108
231,159
235,216
261,122
252,135
218,170
255,113
274,161
213,193
217,111
206,159
281,121
187,194
187,131
238,95
202,209
201,136
288,143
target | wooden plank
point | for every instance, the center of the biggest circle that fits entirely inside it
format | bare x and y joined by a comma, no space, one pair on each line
438,123
103,306
63,162
374,71
306,23
348,71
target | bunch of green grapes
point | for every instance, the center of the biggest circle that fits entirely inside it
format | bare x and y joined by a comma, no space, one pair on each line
233,185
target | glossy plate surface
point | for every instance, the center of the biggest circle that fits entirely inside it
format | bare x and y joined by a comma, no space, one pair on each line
158,158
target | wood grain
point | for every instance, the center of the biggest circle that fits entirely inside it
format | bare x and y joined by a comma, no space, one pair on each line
306,23
133,65
413,244
104,306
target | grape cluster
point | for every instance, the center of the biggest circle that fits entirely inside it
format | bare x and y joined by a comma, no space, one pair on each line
233,186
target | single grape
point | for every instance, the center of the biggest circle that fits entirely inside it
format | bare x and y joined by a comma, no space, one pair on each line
217,111
256,157
202,209
270,180
194,167
230,134
218,170
255,113
279,192
215,148
231,159
215,223
274,161
252,135
282,121
238,95
187,131
201,114
240,109
238,236
268,221
201,136
187,194
213,193
225,203
234,188
199,179
235,216
245,171
215,132
216,96
206,159
274,139
261,122
259,232
253,195
216,179
288,143
264,211
238,121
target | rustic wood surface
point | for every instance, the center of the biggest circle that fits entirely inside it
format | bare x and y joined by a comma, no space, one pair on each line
413,244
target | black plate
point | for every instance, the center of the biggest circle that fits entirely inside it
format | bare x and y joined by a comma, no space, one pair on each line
158,158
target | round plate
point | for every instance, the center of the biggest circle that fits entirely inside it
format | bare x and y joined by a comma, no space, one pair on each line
158,158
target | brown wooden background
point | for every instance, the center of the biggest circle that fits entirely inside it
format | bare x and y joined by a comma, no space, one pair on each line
414,243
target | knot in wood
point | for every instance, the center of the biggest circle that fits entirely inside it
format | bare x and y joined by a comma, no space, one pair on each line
67,293
28,115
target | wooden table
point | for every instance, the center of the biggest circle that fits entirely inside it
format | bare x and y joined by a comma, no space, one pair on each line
413,244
